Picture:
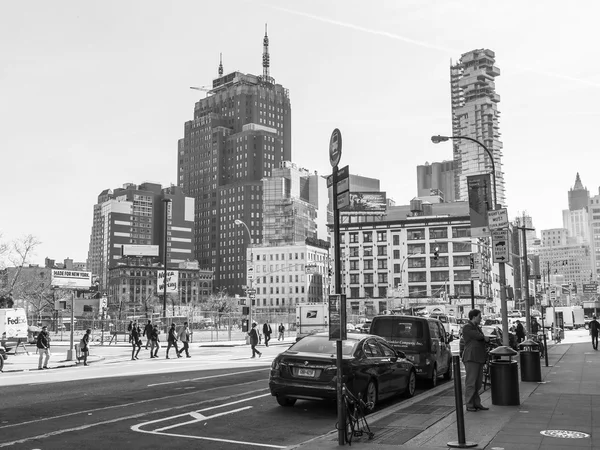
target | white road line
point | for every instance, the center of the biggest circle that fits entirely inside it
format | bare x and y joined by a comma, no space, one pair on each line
139,402
106,422
229,441
200,418
206,377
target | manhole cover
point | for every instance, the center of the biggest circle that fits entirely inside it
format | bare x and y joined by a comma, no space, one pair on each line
565,434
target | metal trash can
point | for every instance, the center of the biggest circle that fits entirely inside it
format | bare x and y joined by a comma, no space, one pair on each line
504,376
529,355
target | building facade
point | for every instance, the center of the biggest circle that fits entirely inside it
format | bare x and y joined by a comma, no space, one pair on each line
240,132
437,178
594,227
135,215
475,114
555,237
567,264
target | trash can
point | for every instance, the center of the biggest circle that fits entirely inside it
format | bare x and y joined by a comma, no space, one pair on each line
504,376
531,369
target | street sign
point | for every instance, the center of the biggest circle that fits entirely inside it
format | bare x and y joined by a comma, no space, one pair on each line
71,279
500,245
335,148
337,317
552,294
251,291
343,185
476,266
103,303
590,288
329,181
343,200
498,219
311,269
250,273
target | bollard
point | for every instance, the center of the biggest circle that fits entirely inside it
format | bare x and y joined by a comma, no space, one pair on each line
460,418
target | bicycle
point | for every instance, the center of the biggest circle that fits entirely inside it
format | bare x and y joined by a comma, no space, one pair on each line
538,339
356,422
489,346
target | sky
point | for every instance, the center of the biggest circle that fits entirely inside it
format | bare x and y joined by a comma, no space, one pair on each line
95,94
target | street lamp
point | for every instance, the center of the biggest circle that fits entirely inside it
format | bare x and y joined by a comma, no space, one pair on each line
166,202
436,140
248,278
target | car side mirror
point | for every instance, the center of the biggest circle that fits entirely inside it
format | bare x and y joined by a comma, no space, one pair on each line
400,354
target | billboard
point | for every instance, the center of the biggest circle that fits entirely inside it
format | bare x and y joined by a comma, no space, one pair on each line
71,279
480,195
367,202
139,250
172,281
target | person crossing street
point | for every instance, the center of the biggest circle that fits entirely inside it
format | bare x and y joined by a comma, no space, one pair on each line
594,330
184,337
172,341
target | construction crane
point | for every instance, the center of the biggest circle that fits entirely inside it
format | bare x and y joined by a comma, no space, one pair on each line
206,89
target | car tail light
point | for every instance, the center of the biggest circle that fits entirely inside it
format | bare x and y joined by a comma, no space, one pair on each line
275,364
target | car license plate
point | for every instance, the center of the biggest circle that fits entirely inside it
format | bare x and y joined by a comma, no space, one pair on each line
302,372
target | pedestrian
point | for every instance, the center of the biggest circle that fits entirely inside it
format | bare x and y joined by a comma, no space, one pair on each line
154,342
129,328
594,329
520,332
267,332
148,333
253,333
184,337
136,342
84,346
172,340
281,330
474,357
43,345
535,326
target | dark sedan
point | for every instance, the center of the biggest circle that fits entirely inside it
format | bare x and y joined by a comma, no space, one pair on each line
371,368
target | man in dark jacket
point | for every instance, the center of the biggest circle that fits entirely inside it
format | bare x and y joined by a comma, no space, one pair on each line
148,333
267,332
43,345
535,326
474,357
520,332
594,329
172,341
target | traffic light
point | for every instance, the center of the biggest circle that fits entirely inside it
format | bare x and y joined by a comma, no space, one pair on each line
436,253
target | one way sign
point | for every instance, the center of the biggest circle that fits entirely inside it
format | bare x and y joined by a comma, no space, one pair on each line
500,245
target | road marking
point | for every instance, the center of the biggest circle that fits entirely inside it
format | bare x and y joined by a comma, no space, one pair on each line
139,402
198,417
206,377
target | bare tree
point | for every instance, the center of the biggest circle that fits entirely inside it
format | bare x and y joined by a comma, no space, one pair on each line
221,303
18,253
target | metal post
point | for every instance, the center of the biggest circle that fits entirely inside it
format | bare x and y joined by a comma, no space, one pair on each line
166,201
526,269
71,347
341,414
458,402
472,294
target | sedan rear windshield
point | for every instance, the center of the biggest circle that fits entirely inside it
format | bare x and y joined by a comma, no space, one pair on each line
322,345
398,328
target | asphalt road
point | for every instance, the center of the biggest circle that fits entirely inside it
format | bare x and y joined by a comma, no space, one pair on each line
217,408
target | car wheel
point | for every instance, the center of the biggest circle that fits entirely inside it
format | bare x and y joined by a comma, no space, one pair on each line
448,374
286,401
370,396
411,386
434,377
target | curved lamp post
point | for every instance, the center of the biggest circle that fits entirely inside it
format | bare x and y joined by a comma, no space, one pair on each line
248,281
436,140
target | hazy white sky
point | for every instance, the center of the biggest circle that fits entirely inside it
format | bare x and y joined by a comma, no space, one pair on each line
95,94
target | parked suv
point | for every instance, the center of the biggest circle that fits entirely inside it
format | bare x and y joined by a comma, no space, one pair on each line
422,339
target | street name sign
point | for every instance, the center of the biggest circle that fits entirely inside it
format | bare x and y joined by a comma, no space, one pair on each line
590,288
71,279
498,219
343,200
500,245
476,266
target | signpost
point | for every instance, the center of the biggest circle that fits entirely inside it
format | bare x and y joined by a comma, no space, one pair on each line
500,245
498,219
335,155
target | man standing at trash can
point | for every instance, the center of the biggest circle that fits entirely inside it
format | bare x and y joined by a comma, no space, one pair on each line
594,329
474,356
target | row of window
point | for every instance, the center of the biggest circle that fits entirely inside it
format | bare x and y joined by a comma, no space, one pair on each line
411,234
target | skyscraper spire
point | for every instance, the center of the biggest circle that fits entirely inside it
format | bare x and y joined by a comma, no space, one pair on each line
578,185
220,65
265,59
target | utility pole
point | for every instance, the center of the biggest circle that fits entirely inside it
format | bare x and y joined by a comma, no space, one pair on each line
524,231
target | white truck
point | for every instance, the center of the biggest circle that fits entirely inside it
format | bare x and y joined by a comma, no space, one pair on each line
13,325
565,312
578,317
311,318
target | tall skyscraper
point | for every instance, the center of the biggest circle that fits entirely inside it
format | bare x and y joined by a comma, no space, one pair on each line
436,178
135,215
475,114
240,132
576,218
579,196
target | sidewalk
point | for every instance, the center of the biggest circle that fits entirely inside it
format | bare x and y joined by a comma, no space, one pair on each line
563,402
102,353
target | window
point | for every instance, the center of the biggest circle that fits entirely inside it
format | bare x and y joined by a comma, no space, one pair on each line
368,265
354,278
434,330
417,291
417,277
368,251
381,250
382,278
458,232
462,275
396,254
441,246
354,292
368,278
462,260
438,233
416,263
382,236
396,239
354,252
396,268
382,264
354,238
442,261
439,276
354,265
461,247
416,234
367,236
369,292
414,249
372,350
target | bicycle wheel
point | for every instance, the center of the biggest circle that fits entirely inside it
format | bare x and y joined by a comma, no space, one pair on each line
351,421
